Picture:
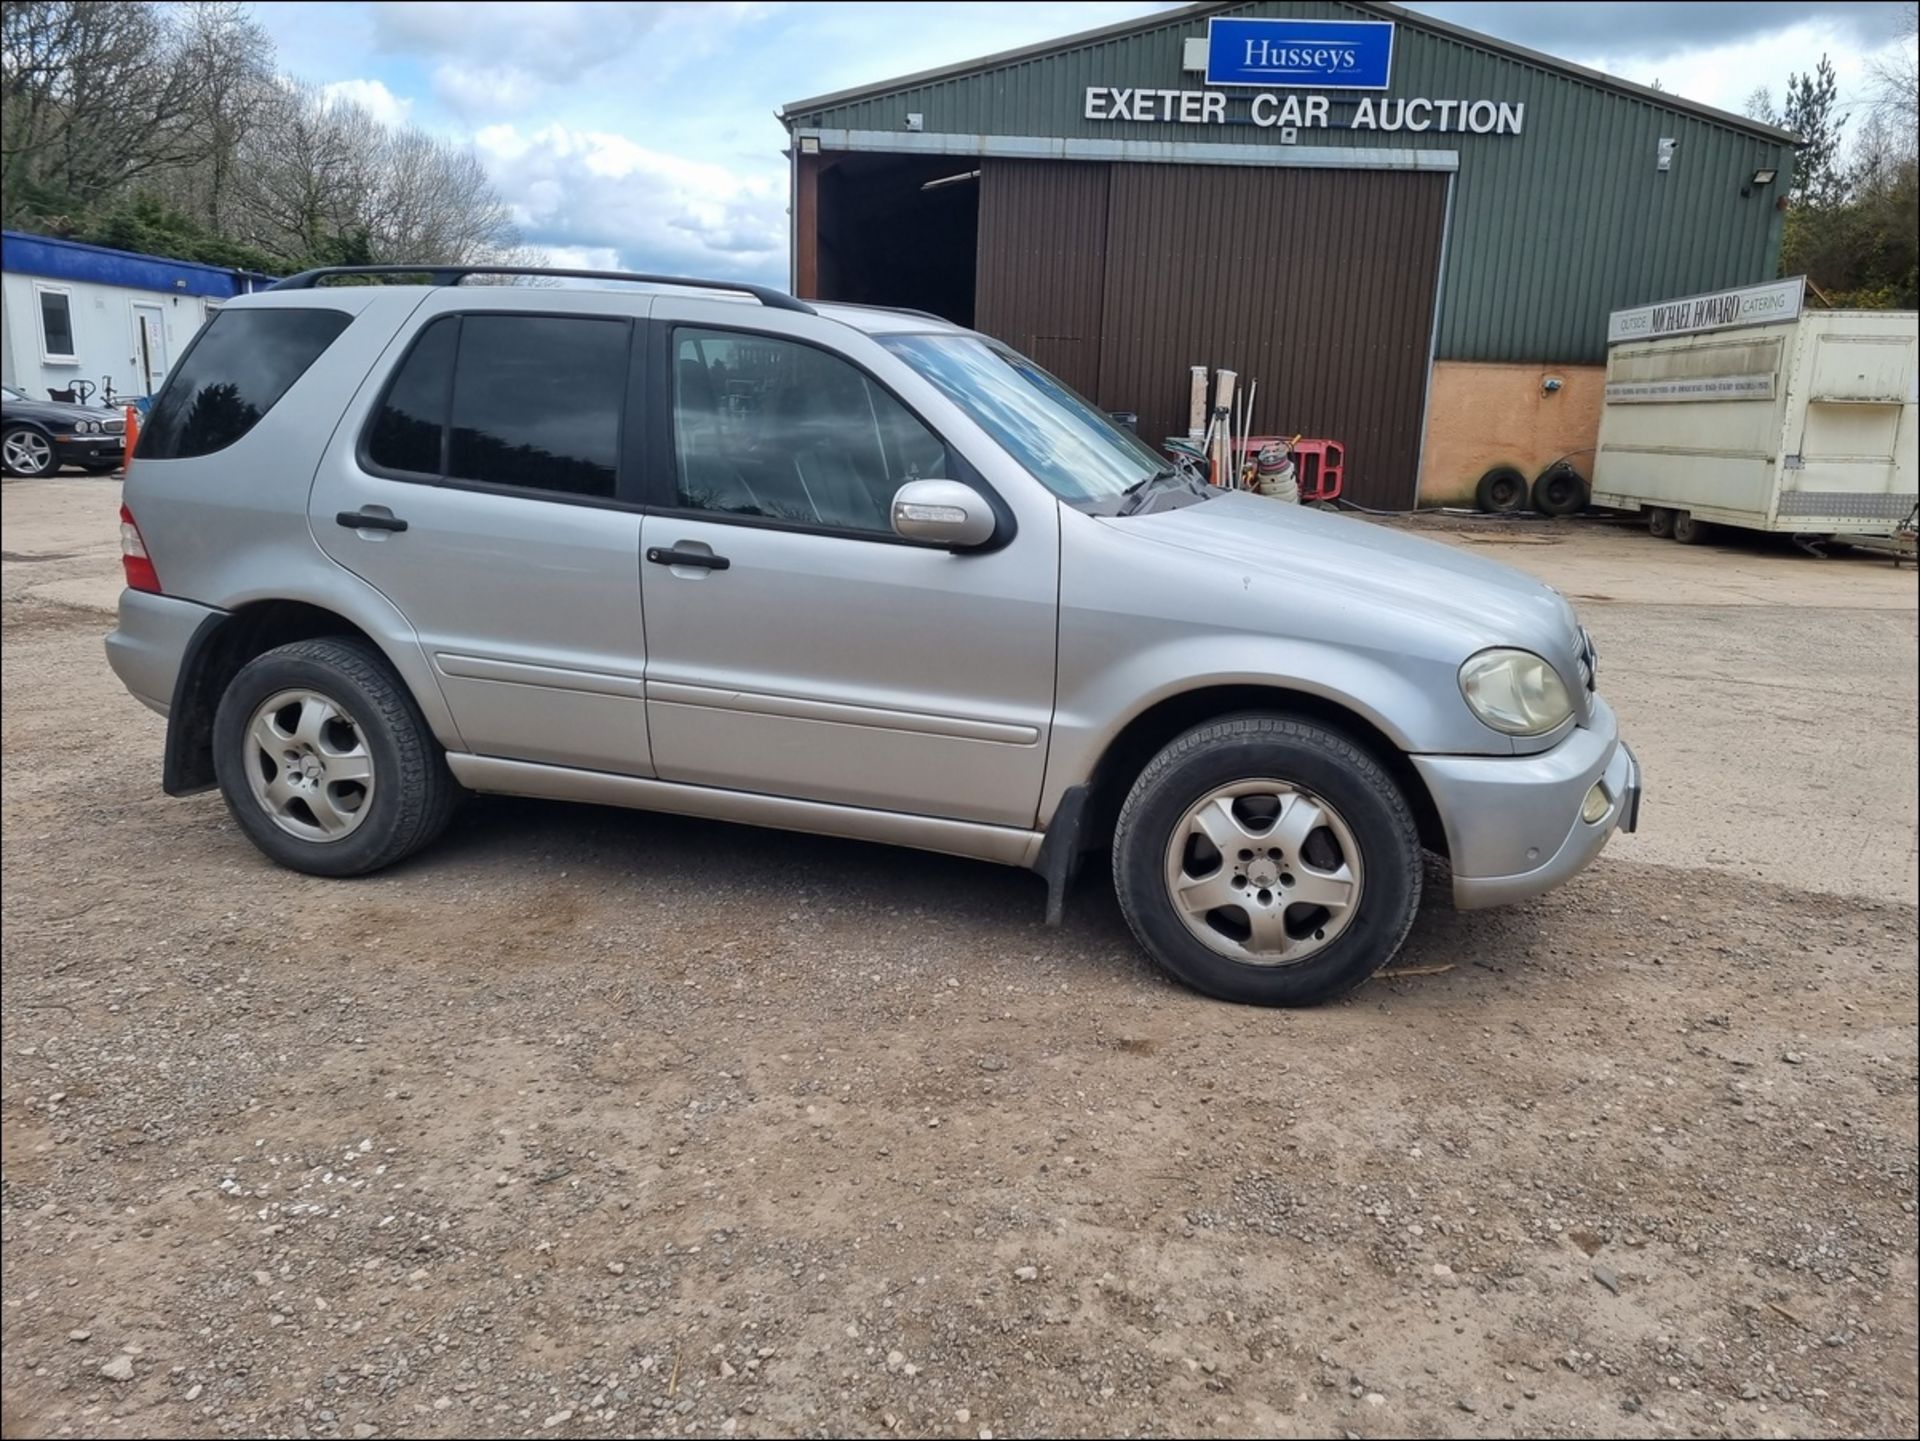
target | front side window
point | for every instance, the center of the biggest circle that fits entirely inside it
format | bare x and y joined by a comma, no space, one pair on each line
782,431
235,371
1065,441
56,324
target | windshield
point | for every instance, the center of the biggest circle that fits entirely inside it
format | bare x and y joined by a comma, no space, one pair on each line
1069,444
13,394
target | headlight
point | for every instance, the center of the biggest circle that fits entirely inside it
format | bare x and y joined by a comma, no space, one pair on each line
1515,692
87,427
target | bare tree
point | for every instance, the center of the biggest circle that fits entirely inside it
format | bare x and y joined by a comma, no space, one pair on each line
230,53
304,173
435,202
170,124
1760,106
1895,80
92,97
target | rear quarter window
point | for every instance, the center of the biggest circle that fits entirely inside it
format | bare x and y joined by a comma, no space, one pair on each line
236,370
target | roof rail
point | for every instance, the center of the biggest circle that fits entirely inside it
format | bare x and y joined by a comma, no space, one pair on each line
454,274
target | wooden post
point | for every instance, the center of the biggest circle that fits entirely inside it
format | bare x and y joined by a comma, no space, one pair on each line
806,227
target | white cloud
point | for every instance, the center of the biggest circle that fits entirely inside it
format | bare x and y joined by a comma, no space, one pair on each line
1726,75
482,90
373,97
604,195
582,257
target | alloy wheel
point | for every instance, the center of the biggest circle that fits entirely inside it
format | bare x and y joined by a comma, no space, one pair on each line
28,452
1264,872
308,765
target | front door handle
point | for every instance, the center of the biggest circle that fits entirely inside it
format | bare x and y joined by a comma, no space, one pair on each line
704,559
369,520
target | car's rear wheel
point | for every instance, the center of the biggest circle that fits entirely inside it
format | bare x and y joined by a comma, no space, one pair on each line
25,451
1268,860
326,762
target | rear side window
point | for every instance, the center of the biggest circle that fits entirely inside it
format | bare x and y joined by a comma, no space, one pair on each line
235,371
526,402
409,433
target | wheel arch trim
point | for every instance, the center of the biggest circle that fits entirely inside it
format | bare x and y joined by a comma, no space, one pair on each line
231,636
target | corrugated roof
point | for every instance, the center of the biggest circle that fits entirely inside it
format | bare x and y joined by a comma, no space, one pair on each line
1398,14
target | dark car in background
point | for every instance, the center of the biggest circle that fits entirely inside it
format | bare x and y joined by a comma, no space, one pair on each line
37,437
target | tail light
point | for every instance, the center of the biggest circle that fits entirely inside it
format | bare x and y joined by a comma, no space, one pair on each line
133,556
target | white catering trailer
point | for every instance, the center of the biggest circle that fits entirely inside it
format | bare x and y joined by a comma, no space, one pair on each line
1743,408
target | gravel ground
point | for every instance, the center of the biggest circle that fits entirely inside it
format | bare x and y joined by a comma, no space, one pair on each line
598,1123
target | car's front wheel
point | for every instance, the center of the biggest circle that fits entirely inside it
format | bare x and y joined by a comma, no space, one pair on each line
326,762
26,451
1268,860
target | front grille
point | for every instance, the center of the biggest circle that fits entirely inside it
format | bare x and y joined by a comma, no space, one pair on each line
113,427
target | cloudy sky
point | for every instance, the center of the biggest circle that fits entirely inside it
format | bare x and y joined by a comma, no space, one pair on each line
644,136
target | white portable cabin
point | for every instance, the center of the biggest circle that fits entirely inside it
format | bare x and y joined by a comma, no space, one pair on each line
74,312
1744,409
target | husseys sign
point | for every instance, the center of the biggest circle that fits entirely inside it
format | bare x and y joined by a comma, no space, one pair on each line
1352,54
1274,55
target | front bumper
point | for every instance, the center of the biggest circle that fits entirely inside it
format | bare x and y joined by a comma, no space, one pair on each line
93,451
148,646
1513,823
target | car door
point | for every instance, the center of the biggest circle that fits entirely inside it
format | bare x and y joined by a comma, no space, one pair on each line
483,488
807,651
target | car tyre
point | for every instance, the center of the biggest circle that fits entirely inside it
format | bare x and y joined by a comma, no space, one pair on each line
1687,530
1501,491
1659,522
1366,830
1560,490
326,762
26,451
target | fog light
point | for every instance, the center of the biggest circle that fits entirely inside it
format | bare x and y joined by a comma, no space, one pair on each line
1596,803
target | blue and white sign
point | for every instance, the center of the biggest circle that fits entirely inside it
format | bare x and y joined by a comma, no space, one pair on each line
1326,54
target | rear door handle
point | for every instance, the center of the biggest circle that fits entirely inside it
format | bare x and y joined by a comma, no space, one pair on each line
705,560
368,520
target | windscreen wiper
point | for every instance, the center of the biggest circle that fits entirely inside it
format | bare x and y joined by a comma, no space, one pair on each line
1136,495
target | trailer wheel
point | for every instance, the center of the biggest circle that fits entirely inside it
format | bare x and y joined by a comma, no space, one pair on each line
1501,491
1659,522
1686,529
1559,490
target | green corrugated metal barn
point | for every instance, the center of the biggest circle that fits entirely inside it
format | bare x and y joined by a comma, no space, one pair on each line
1421,269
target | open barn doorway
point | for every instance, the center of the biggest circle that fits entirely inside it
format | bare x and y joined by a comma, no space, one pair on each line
895,230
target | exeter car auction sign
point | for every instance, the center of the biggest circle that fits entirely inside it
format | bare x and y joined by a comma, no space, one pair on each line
1769,304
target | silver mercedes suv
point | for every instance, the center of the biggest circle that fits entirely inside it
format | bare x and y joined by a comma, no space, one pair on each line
705,548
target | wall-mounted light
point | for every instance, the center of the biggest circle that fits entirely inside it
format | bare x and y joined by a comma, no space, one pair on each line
809,144
951,179
1762,176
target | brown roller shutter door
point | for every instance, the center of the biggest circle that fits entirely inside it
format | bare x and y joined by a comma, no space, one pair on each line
1319,283
1041,268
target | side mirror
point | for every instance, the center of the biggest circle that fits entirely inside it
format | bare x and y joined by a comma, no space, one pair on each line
942,512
